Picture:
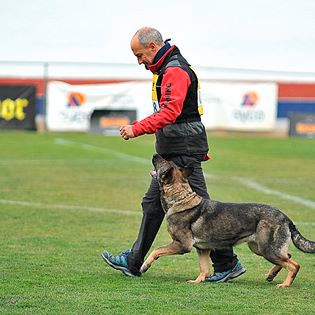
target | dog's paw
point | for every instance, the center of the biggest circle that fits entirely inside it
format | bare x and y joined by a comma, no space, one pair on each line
198,280
282,286
270,276
193,281
144,268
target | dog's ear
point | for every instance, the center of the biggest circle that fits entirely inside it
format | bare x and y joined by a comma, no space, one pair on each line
187,171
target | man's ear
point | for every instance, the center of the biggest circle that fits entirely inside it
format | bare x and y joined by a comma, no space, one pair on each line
187,171
152,46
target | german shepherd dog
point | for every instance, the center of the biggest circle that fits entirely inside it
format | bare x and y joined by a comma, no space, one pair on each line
208,224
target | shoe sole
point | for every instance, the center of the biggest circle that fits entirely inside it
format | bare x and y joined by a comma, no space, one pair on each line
124,270
238,273
232,275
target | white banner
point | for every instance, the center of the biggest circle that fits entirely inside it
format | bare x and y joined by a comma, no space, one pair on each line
239,106
230,106
69,107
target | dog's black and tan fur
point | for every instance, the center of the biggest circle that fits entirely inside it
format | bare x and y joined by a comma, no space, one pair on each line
207,224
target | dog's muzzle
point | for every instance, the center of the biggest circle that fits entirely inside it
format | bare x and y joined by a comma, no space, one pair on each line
156,159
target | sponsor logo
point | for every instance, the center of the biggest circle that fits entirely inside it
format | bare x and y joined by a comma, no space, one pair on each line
76,117
250,99
13,109
248,112
75,99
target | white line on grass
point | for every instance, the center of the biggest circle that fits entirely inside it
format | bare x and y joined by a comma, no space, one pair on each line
43,162
247,182
64,207
90,147
252,184
81,208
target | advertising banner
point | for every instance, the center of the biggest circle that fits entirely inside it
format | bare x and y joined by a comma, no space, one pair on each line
69,107
107,122
228,106
239,106
302,125
17,106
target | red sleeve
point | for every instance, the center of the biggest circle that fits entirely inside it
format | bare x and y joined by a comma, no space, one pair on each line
174,86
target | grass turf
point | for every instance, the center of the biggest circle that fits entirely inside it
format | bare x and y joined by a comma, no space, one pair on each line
66,197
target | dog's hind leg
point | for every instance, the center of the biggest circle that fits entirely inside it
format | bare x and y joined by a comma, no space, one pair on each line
273,242
273,272
254,247
278,255
204,261
282,258
293,268
282,261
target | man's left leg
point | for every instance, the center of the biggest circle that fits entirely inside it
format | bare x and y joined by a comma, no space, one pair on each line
130,261
226,266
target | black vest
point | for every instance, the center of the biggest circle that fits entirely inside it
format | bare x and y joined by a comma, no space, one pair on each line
187,136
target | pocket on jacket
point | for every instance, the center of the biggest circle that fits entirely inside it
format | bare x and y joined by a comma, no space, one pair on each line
183,129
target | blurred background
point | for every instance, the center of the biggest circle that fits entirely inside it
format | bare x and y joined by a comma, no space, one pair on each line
67,65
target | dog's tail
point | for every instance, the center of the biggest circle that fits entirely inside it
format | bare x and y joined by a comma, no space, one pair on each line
300,241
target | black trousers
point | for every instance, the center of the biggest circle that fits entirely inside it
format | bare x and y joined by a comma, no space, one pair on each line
153,216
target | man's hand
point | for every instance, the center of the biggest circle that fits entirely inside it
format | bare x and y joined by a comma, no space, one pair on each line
126,132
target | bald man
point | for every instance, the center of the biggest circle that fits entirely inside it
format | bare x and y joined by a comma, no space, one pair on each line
180,137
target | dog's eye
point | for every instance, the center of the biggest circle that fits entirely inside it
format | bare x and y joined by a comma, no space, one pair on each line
168,174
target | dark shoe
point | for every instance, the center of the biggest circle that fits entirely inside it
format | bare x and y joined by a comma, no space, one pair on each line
119,262
224,276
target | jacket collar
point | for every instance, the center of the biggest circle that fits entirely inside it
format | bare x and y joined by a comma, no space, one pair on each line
154,68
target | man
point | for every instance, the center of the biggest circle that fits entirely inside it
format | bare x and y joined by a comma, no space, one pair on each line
180,137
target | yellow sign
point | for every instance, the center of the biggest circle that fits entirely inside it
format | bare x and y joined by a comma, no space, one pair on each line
155,102
10,109
200,106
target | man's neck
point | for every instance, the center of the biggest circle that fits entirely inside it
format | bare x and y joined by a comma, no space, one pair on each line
162,51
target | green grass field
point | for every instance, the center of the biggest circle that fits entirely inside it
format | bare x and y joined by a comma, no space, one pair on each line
66,197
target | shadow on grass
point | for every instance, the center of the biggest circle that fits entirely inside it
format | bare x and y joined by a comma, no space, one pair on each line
241,282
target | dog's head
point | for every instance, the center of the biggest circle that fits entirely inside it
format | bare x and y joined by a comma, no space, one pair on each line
173,180
176,193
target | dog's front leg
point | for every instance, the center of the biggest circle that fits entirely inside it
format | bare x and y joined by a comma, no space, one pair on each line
204,262
171,249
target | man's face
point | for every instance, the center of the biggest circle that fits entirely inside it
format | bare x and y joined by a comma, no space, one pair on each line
145,55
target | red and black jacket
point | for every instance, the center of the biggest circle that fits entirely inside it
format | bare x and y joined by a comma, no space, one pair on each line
177,124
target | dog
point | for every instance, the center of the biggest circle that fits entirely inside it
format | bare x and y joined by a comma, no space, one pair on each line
207,225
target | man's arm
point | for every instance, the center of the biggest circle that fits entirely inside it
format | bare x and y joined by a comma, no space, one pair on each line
174,88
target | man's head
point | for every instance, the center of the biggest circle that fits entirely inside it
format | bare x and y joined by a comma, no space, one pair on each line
145,44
